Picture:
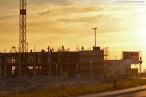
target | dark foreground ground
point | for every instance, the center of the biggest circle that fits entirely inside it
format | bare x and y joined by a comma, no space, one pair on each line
46,86
24,84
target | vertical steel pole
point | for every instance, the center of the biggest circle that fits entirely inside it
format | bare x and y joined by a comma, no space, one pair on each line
95,35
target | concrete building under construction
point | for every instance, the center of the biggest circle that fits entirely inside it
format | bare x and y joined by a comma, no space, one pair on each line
70,63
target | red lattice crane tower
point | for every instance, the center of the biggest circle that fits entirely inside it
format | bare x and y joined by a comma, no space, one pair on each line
22,26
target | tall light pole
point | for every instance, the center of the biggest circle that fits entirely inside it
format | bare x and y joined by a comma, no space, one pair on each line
95,35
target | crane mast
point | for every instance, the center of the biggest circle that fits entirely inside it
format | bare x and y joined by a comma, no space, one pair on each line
22,27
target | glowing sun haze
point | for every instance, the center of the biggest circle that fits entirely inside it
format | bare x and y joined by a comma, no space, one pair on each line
66,22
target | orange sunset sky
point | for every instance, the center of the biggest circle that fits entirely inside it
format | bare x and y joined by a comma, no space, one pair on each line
69,22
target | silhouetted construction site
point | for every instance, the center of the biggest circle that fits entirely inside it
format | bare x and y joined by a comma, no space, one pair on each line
77,63
83,63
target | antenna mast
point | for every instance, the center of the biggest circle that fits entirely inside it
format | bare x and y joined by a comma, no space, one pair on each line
22,27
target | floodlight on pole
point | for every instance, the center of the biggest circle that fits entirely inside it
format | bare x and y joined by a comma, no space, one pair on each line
95,35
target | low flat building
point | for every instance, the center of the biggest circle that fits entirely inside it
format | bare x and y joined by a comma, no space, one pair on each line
123,67
117,67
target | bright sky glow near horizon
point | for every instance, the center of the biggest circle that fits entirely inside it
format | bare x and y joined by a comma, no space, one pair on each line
69,22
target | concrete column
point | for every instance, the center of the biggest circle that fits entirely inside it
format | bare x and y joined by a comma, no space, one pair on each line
19,69
5,67
49,69
140,67
19,64
34,70
77,69
5,70
0,70
60,69
91,69
56,69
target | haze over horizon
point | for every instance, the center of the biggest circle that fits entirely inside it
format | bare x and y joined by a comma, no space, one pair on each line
67,22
